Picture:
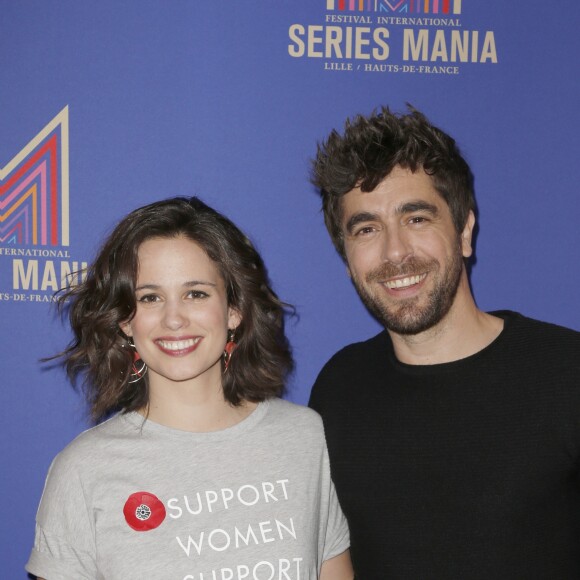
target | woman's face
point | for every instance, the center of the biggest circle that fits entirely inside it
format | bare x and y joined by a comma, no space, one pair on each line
182,317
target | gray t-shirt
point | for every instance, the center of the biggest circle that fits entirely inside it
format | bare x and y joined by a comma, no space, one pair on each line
132,499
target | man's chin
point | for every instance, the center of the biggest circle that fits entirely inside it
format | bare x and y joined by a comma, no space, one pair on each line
407,327
409,319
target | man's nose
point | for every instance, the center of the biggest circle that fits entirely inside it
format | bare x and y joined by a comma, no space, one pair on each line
396,245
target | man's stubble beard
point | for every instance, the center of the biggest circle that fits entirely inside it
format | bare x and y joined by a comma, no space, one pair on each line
409,317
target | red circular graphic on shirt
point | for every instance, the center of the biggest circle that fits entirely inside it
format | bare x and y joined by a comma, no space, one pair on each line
144,511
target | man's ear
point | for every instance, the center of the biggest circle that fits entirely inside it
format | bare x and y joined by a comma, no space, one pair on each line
467,235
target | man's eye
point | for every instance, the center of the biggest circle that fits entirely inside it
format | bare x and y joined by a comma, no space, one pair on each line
417,219
365,230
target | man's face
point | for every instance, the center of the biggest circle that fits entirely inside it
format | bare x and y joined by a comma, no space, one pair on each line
403,252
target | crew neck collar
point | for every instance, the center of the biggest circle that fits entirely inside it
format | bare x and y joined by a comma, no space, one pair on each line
149,427
509,319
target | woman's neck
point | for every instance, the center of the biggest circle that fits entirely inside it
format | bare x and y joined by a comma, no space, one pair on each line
196,410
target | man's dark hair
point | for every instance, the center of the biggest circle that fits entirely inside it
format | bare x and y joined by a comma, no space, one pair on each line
371,147
96,308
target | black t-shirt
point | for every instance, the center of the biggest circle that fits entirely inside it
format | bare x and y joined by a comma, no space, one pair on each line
465,470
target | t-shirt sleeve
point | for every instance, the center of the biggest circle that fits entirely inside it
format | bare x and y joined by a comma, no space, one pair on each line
64,544
316,400
337,538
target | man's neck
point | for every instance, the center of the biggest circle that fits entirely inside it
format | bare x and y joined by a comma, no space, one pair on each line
464,331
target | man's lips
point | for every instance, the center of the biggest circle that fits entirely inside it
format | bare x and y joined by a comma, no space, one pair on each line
406,282
178,346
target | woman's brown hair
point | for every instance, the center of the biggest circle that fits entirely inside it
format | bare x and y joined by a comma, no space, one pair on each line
99,352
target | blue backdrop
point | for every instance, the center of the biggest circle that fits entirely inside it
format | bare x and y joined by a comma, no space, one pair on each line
106,106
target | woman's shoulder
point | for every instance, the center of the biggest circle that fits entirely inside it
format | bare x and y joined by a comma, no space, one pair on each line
296,416
90,445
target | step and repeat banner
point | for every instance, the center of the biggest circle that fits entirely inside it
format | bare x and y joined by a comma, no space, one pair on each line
107,106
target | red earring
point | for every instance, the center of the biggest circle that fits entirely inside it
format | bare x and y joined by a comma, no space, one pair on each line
139,368
231,345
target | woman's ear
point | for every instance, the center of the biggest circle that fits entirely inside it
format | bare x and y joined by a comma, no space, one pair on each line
126,328
234,318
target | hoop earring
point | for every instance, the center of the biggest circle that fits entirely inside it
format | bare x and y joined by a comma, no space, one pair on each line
139,368
231,345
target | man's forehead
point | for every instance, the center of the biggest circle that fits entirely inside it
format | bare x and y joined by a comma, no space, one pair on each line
399,187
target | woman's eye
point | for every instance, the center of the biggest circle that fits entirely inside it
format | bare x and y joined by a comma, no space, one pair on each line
197,294
148,298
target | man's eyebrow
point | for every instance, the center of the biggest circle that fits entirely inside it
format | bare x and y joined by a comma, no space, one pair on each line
413,206
358,218
405,208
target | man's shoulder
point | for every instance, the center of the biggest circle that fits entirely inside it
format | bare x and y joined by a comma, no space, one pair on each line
354,364
359,351
538,344
534,329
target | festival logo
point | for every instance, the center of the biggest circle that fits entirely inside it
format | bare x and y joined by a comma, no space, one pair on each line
393,36
397,6
34,217
34,190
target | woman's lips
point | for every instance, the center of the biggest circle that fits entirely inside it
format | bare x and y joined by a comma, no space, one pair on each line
178,346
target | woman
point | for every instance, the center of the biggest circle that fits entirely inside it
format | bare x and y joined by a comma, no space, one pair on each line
202,473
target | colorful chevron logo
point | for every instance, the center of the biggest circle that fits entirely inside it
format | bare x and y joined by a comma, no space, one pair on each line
397,6
34,189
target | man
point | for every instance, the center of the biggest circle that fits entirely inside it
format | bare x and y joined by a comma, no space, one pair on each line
454,435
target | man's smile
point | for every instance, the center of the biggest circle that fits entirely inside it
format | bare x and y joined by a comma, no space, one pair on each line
405,282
